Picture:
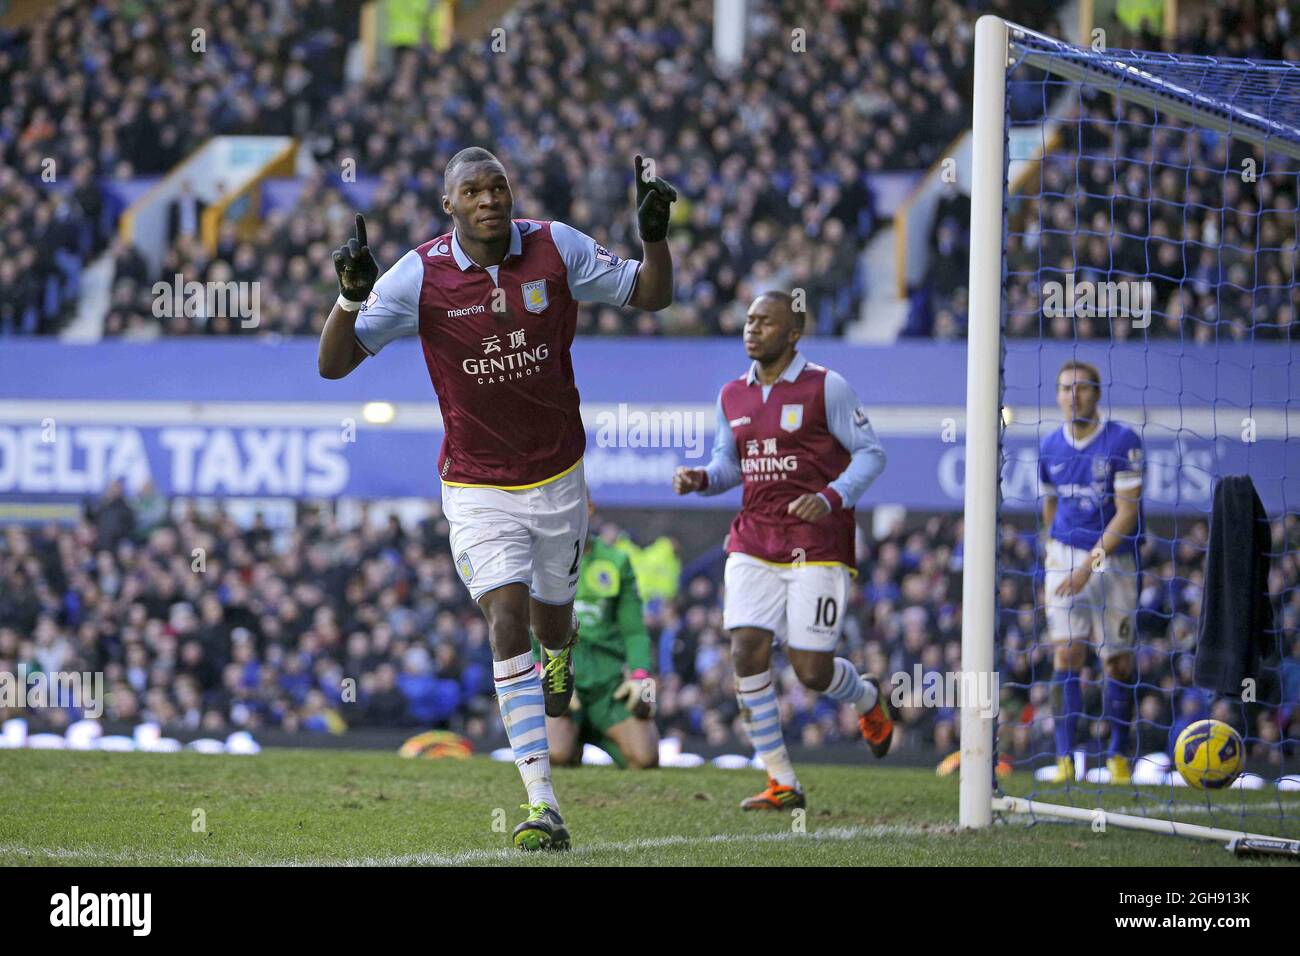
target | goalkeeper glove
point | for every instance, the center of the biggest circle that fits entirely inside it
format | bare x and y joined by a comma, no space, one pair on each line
639,689
654,199
356,267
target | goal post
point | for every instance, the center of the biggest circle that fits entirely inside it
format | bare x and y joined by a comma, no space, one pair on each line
983,407
1134,139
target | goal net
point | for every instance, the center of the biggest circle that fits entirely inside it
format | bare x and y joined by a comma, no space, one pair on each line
1131,341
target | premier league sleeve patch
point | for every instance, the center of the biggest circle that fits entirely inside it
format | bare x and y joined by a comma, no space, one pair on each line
860,417
604,255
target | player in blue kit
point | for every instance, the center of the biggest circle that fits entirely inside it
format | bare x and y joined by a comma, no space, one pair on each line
1090,470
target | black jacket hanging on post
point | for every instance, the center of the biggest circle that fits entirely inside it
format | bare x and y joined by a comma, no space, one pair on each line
1236,614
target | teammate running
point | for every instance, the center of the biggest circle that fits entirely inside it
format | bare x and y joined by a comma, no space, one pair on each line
495,305
794,434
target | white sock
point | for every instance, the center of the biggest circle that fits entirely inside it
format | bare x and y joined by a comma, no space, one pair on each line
848,687
762,719
523,711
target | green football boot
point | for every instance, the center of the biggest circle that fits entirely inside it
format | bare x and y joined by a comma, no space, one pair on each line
543,830
557,678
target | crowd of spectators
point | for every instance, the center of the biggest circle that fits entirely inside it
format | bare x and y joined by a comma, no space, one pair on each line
772,160
1124,194
110,90
204,626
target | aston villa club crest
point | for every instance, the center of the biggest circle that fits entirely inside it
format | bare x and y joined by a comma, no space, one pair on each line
464,567
791,417
535,296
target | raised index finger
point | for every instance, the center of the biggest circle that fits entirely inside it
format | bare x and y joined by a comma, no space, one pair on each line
361,230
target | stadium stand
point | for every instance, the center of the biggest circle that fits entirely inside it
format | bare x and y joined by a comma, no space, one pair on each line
95,94
1201,256
771,197
265,638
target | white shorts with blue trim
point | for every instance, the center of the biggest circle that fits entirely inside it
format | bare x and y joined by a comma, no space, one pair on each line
531,536
802,605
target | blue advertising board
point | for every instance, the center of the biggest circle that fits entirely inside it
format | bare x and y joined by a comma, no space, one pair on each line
253,418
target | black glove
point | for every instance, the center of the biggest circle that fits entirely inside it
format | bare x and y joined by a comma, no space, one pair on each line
355,266
654,199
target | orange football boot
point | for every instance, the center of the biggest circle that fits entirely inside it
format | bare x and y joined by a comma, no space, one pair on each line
877,724
776,797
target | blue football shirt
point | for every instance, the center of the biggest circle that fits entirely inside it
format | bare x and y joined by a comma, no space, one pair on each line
1084,475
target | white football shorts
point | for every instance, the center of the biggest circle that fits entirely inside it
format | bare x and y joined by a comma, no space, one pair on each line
533,536
801,605
1105,609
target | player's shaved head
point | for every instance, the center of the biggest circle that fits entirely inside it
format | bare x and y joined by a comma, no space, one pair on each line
772,328
783,304
469,156
476,194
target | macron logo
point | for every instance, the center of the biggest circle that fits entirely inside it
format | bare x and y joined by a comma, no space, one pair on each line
469,310
103,909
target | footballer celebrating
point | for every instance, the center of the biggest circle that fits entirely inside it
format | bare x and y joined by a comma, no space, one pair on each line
495,306
1090,470
794,434
612,680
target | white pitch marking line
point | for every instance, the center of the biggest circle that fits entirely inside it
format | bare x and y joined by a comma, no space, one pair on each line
829,834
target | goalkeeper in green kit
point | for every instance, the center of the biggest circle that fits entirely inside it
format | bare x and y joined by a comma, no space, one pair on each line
615,692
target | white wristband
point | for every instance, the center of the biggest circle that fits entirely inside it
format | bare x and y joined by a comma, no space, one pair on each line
347,305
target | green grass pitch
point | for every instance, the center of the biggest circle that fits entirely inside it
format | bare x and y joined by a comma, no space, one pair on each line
358,808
